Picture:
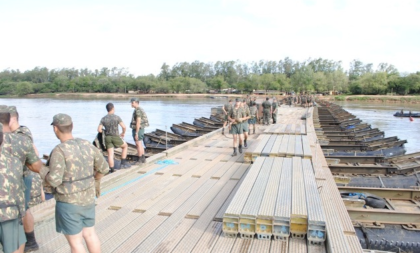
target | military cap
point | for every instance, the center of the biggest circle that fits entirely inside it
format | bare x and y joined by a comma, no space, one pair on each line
12,109
4,108
61,119
134,100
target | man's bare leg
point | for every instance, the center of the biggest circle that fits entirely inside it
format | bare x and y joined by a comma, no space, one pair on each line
76,243
91,239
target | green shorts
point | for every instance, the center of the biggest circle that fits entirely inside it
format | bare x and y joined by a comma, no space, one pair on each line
28,186
140,134
245,127
236,129
252,121
113,141
70,219
11,235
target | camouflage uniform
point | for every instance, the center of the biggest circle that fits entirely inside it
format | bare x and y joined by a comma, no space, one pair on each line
227,108
144,122
35,185
253,113
245,113
72,166
236,114
112,137
12,202
266,112
274,105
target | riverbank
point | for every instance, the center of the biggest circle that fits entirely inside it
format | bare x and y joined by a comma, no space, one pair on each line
375,98
128,95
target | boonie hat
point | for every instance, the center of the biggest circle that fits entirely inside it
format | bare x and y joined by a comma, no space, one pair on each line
61,119
134,100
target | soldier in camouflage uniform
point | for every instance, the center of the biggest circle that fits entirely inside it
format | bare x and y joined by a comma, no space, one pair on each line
73,166
266,111
34,193
12,201
226,108
253,117
112,137
235,118
274,106
138,122
246,115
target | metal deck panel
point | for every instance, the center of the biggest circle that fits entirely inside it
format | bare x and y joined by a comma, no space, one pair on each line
207,240
277,143
297,245
269,146
298,146
284,145
170,242
307,153
291,146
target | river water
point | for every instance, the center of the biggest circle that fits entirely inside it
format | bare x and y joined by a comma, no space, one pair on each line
37,113
380,115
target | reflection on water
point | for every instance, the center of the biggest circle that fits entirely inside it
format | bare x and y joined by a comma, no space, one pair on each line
380,115
37,114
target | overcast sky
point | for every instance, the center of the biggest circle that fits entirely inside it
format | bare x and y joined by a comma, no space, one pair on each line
142,35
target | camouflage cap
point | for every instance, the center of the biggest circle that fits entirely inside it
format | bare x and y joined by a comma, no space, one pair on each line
61,119
134,100
12,110
4,108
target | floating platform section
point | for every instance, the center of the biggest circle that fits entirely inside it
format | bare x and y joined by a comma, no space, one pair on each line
299,216
296,128
279,146
316,217
283,207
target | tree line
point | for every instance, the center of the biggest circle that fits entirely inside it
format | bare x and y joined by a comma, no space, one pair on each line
313,76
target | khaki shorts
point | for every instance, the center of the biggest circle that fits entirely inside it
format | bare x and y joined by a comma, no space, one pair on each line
140,134
11,235
70,219
236,129
112,141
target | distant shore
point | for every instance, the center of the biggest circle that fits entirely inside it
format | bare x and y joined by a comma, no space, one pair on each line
355,98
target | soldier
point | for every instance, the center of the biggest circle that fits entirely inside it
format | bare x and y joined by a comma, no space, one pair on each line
112,136
267,111
246,115
235,118
253,117
226,108
138,122
12,236
73,167
274,108
34,193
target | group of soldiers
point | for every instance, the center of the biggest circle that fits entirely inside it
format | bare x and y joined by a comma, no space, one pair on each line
73,171
301,99
243,114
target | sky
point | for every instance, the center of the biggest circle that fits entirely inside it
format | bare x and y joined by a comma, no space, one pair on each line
142,35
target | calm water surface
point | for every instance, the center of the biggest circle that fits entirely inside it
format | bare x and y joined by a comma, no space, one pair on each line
37,114
380,115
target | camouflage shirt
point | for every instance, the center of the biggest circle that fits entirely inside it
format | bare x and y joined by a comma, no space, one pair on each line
19,146
24,131
246,112
274,106
266,105
253,111
227,107
139,113
12,199
235,113
36,194
72,166
111,122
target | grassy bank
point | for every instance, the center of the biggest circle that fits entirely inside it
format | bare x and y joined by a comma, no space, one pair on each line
376,98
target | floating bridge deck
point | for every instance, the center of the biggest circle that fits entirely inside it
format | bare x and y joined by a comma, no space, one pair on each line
209,201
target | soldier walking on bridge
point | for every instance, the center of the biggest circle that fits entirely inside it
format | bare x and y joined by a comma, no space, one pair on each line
235,118
253,117
226,108
139,121
267,111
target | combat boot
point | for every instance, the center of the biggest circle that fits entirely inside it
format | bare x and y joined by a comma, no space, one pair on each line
234,152
245,145
125,164
253,130
31,244
223,131
111,170
240,148
143,159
